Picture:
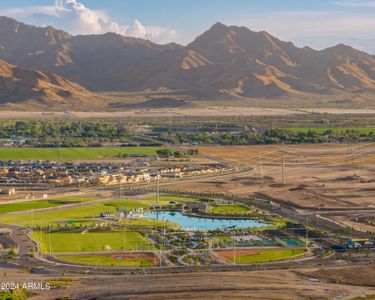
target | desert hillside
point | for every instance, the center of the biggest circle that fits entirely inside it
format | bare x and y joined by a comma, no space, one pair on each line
24,88
225,62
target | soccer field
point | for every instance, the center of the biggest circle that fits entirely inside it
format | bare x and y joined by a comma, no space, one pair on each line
231,209
91,241
77,214
40,204
71,153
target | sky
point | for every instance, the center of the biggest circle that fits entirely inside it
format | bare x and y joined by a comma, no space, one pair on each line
318,24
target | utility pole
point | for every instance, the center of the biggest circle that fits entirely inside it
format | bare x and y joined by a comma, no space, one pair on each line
124,236
32,220
164,240
157,182
350,154
60,152
260,168
234,249
157,189
360,155
41,235
282,167
160,251
49,237
307,235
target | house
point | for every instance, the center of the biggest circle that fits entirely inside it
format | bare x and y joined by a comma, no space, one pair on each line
173,175
9,192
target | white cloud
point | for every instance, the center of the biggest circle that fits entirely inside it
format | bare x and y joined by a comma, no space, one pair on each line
152,33
356,3
74,17
318,29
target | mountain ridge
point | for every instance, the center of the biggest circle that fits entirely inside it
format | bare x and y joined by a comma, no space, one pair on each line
25,87
223,62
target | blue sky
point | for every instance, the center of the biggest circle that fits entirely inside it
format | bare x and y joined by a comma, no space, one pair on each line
317,23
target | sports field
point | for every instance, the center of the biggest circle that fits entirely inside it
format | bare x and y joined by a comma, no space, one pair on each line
72,153
249,256
150,200
85,215
229,209
62,242
76,214
116,259
131,204
40,204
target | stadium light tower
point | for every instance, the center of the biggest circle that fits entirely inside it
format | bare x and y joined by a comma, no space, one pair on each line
157,182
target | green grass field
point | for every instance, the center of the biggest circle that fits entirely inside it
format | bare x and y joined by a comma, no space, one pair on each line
321,130
131,204
71,153
229,209
268,255
82,213
39,204
150,200
105,260
92,241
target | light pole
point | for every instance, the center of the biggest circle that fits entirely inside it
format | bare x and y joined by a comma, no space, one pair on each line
49,237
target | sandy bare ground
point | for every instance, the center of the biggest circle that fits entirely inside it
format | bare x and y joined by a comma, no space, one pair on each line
340,111
356,225
152,113
359,275
181,112
328,283
320,176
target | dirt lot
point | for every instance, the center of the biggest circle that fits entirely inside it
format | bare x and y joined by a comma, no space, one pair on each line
273,284
208,109
347,275
151,113
318,178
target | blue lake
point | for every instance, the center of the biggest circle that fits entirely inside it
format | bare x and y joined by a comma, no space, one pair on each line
199,223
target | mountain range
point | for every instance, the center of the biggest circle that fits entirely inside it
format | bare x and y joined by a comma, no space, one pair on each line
52,66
